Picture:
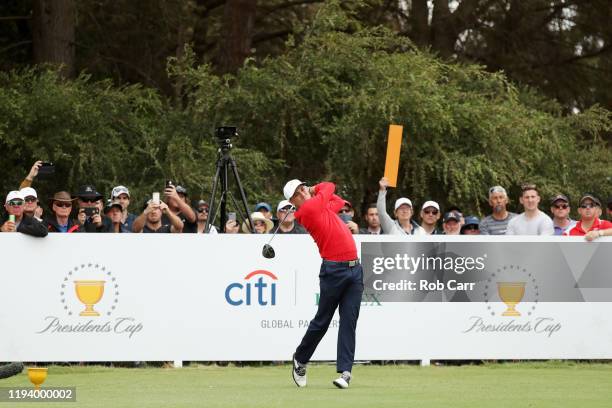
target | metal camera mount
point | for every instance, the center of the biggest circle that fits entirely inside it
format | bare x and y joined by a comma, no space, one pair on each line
225,162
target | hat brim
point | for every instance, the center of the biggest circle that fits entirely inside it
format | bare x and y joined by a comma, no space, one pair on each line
269,225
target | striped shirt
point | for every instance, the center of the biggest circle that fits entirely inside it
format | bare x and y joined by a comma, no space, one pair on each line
491,226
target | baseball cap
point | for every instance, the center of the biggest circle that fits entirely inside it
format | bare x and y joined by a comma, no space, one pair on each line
13,195
290,188
401,201
112,204
283,204
27,192
558,197
261,205
430,204
120,190
469,221
452,215
592,198
348,204
88,191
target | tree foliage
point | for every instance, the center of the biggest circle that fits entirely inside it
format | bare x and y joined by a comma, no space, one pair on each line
319,111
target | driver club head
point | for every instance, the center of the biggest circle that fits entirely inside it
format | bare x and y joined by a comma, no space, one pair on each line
268,251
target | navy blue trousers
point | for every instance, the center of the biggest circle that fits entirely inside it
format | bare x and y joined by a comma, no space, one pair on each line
341,286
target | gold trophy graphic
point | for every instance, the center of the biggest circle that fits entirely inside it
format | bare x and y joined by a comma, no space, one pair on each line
511,293
37,375
89,293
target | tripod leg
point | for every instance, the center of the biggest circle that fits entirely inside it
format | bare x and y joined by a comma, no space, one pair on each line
242,194
213,213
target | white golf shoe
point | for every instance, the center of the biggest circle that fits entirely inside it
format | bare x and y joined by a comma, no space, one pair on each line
298,371
343,381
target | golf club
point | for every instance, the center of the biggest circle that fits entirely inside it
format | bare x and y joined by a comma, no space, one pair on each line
268,251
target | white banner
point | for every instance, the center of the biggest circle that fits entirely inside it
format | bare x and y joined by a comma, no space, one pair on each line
148,297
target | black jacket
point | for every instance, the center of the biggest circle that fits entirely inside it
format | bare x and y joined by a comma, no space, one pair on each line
30,226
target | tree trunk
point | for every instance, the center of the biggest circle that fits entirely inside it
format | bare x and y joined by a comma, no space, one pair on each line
419,16
443,36
53,37
238,22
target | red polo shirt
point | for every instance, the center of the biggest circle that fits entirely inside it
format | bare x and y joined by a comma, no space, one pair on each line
597,225
319,215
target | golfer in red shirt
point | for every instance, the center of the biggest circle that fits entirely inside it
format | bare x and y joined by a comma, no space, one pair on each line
340,278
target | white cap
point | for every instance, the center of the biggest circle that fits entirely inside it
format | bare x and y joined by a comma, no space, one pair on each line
13,195
430,204
27,192
290,188
120,190
402,200
283,204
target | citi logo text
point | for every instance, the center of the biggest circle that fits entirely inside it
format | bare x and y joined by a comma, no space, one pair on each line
254,290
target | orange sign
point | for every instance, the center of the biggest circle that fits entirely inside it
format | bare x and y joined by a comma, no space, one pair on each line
394,145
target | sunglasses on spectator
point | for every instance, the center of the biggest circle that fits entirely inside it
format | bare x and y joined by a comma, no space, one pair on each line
89,200
203,210
15,203
561,206
590,205
62,205
284,209
471,227
30,199
432,212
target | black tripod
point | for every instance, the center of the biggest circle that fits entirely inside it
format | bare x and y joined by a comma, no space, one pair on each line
225,161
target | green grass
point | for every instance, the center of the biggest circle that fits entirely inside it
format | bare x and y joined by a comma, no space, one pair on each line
550,384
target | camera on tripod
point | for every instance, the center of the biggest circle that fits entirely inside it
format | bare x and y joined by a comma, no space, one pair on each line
224,135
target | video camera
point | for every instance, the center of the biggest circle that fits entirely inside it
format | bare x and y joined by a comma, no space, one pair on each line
224,136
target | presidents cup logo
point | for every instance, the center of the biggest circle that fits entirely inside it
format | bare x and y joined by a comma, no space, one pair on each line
89,298
510,284
89,290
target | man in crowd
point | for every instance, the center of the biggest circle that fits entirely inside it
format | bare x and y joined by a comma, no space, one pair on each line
430,214
346,214
560,209
452,223
176,198
372,221
90,208
609,209
404,224
471,226
286,218
202,210
59,220
532,221
150,221
590,226
121,194
497,222
30,203
17,221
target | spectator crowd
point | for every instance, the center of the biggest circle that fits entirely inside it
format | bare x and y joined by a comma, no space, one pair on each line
89,211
